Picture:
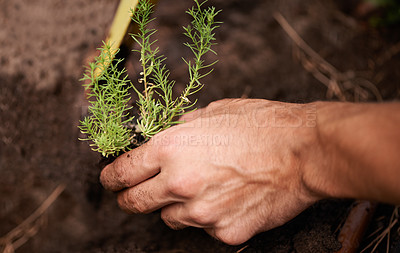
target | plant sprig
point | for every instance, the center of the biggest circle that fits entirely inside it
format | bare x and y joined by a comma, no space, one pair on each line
108,96
106,128
159,113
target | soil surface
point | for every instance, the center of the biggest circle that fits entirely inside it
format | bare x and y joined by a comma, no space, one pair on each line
44,44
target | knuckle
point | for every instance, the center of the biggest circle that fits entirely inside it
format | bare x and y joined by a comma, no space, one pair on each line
164,215
170,222
123,202
119,169
200,214
140,208
182,186
171,142
166,145
165,150
138,202
129,201
230,236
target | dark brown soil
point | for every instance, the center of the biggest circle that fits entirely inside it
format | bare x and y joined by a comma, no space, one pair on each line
43,47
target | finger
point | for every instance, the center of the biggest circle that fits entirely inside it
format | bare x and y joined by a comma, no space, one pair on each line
185,213
147,196
131,168
231,235
168,215
211,232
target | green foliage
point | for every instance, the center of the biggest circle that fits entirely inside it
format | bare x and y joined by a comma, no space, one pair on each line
157,106
106,127
108,95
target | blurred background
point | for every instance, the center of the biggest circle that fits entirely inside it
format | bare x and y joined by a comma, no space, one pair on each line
348,50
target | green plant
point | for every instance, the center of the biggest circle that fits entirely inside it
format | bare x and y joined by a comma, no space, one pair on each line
107,128
108,95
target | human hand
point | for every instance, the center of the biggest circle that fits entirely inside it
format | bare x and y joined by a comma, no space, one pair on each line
235,168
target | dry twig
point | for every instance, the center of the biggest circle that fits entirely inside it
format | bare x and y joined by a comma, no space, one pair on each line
242,249
338,83
30,226
394,219
387,55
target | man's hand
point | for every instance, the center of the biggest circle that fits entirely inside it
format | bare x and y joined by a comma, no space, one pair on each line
235,168
239,167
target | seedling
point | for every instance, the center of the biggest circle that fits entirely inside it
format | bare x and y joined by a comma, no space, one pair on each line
110,128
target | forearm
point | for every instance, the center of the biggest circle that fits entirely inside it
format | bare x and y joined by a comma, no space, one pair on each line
359,151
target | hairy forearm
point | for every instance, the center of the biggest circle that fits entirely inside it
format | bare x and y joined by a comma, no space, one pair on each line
358,154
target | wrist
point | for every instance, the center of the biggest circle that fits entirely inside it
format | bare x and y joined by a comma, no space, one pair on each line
322,165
